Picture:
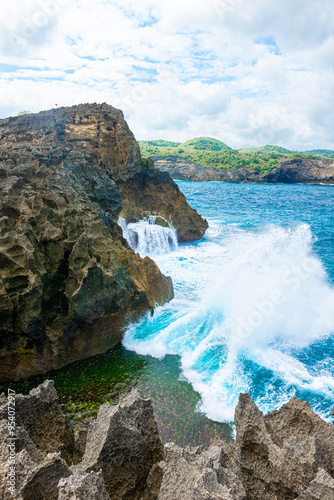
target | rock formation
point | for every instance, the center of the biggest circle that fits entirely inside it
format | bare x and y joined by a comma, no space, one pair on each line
83,485
184,170
41,415
303,170
124,442
69,282
298,170
286,454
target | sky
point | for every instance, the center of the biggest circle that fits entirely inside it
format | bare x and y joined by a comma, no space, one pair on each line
247,72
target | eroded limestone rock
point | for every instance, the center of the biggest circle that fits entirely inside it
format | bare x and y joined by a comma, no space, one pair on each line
41,415
124,442
83,486
69,282
191,474
321,488
280,464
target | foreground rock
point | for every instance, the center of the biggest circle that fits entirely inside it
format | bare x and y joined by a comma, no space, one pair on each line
286,454
279,455
83,486
298,170
191,473
41,415
124,443
69,282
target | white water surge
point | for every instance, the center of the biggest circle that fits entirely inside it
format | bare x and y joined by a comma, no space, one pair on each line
250,312
148,238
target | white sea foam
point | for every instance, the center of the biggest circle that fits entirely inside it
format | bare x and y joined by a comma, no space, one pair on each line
246,304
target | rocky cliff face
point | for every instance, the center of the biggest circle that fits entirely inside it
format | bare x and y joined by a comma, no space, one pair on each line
286,454
102,132
303,171
299,170
69,282
183,170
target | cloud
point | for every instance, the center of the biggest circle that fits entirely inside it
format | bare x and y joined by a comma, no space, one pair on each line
245,72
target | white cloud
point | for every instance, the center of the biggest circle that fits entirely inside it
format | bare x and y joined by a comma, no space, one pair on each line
245,72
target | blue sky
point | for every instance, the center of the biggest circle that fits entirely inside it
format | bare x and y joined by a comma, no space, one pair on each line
248,73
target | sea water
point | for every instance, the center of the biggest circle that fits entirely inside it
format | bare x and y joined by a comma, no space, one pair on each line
254,298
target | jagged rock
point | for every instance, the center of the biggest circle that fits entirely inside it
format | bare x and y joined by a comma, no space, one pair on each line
42,482
101,131
69,282
80,446
192,475
19,452
24,467
22,441
83,486
279,466
153,483
33,481
124,442
296,419
41,415
321,488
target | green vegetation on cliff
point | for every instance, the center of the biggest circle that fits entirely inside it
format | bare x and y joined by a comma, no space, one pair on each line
213,153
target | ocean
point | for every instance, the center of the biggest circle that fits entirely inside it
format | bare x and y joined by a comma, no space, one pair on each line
254,298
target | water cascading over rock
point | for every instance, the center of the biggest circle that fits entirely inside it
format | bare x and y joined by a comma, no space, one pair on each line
148,238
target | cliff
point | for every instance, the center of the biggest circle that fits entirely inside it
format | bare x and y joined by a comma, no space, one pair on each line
69,282
102,132
308,171
284,455
298,170
183,170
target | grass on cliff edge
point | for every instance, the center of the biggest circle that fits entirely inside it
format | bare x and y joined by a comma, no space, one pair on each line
213,153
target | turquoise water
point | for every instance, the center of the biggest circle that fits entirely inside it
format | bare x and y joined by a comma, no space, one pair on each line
254,299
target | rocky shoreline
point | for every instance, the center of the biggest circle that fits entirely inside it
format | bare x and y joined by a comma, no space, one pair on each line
69,282
286,454
298,170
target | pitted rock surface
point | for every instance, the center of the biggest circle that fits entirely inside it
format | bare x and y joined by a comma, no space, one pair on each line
69,282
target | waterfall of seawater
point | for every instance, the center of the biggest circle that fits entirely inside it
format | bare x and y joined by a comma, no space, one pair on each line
148,238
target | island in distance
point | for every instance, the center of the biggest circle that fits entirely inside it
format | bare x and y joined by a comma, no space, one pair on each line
206,159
